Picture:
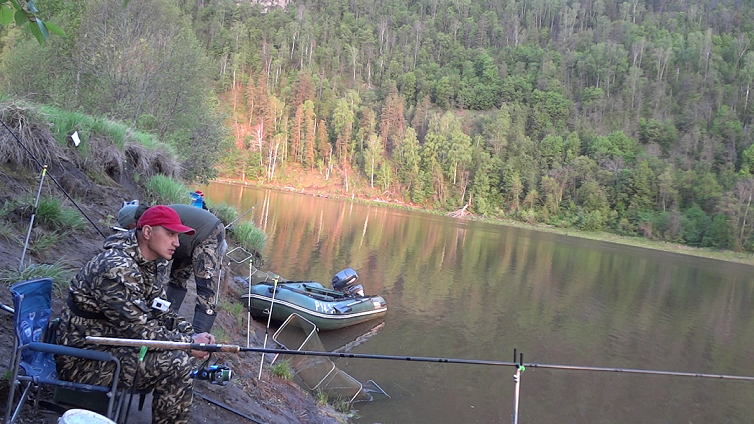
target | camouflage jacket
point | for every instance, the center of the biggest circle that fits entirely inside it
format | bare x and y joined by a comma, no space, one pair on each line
203,222
120,285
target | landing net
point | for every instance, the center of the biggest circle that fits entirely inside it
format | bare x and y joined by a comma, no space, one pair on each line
316,373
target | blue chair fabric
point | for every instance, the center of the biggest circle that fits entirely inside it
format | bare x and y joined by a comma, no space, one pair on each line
33,363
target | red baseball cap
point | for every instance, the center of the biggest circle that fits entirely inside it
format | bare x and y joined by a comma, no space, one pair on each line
164,216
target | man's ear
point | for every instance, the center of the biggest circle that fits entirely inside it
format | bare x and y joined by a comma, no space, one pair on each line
147,231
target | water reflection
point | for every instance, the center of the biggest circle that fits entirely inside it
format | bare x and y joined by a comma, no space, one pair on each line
475,290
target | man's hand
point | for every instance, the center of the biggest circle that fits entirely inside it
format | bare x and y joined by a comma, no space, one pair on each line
202,338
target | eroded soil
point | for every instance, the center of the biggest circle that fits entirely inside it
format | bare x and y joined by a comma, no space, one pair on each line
268,400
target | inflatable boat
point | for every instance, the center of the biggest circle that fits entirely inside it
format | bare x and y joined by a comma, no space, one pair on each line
343,305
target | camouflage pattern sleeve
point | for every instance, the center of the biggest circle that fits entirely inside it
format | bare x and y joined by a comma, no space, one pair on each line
125,299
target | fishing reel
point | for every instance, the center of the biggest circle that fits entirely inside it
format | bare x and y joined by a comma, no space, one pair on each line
215,374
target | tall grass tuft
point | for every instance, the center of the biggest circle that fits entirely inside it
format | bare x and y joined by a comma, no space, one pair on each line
283,369
60,272
340,404
9,206
165,190
322,397
249,236
152,142
33,134
227,213
235,309
98,137
117,131
9,233
65,122
220,333
51,212
42,242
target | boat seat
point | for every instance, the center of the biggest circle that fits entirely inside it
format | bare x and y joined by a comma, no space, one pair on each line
318,296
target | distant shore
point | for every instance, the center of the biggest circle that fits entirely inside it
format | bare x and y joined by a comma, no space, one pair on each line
723,255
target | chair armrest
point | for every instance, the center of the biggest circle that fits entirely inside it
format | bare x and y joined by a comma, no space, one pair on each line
71,351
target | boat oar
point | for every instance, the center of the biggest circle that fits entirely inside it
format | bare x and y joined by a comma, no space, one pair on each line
269,318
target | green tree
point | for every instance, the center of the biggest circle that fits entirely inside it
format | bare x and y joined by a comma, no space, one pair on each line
667,192
496,129
342,121
127,63
551,151
444,92
747,161
720,234
27,14
572,147
408,160
549,111
373,157
553,194
694,224
642,190
614,144
482,186
593,198
385,175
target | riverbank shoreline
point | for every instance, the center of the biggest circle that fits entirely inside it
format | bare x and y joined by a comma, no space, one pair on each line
728,256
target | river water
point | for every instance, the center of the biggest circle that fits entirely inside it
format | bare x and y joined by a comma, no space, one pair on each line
459,289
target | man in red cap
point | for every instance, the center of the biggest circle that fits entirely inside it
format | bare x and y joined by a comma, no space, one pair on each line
199,255
120,293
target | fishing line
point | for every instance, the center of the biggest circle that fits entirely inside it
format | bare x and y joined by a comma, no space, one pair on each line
242,215
53,179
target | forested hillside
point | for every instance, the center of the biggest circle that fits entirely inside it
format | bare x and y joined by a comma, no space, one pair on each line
631,117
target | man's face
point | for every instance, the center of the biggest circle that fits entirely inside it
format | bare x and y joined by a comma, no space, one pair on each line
161,242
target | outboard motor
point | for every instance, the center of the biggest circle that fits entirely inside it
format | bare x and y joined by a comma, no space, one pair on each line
344,282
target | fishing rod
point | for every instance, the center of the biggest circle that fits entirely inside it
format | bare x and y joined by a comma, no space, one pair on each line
639,371
242,215
230,348
53,179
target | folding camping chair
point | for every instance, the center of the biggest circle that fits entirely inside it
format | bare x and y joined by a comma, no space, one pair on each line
32,364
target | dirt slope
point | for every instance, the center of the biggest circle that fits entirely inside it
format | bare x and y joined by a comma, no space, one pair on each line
269,400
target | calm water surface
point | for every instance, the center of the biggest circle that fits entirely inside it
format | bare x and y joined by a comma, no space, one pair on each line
460,289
